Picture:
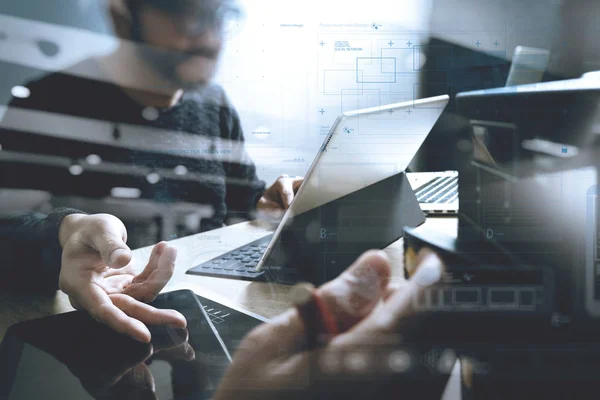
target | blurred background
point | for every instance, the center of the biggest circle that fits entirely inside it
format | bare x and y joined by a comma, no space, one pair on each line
290,68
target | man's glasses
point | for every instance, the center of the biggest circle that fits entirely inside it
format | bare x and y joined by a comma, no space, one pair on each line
223,17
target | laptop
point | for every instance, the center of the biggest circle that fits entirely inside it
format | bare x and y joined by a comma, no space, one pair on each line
356,180
437,192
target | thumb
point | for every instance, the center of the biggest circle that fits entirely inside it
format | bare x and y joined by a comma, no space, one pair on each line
108,241
348,298
391,318
355,293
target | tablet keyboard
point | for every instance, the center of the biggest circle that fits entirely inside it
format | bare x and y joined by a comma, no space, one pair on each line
236,264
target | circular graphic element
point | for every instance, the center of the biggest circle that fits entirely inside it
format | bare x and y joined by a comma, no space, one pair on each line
261,132
150,114
93,159
20,92
76,169
153,178
399,361
180,170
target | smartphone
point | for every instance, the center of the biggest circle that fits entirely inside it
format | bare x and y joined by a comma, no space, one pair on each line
72,356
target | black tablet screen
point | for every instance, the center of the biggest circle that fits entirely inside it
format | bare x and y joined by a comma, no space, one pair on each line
71,356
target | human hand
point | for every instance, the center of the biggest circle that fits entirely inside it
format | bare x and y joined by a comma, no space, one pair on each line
363,360
279,196
97,274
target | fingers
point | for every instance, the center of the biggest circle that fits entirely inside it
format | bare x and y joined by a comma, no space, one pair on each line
356,292
356,363
349,298
147,285
126,315
268,205
392,288
281,194
268,212
165,337
152,265
182,351
148,314
373,343
107,235
296,183
430,269
285,189
387,320
109,314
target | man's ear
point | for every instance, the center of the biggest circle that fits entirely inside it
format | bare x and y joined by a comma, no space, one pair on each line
121,18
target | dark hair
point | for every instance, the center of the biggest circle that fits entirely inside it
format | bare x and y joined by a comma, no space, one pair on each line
178,7
174,7
211,9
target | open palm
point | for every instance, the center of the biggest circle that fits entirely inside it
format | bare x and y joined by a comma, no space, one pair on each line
98,275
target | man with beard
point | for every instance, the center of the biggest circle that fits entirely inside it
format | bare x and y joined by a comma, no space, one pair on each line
158,80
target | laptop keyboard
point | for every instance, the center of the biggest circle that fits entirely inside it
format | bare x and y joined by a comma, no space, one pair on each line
438,190
239,263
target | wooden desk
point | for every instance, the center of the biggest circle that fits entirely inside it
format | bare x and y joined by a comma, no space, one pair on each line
266,299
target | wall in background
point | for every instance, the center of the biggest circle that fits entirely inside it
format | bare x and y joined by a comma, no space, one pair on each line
291,67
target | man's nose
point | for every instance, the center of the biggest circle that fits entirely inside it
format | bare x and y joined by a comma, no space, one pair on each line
207,38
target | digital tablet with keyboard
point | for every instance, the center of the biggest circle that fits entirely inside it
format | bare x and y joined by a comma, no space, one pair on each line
354,197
